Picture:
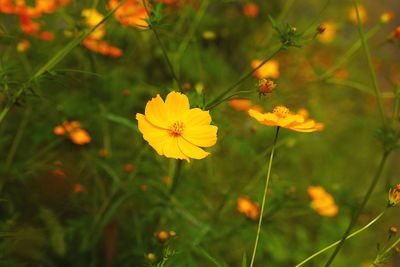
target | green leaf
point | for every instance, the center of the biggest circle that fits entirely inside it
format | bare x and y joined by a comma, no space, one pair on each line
55,230
121,120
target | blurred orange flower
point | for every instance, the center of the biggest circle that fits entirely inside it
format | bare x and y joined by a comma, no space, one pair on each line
23,45
95,40
251,10
329,32
175,130
76,133
132,13
248,207
387,17
269,70
281,116
240,104
361,11
322,201
79,188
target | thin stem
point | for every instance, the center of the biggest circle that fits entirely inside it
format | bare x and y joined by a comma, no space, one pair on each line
396,106
230,96
337,242
370,65
176,176
264,197
357,213
164,51
241,80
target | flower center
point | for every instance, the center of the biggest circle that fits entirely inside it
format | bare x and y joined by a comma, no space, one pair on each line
281,111
176,129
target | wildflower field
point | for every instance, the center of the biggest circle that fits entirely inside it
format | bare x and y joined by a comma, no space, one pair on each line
199,133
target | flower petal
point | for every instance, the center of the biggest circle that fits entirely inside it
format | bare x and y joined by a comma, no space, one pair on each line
172,150
191,150
155,136
156,112
177,105
204,135
295,119
307,127
196,116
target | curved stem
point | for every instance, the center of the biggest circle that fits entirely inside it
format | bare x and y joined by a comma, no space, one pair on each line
164,50
242,79
337,242
230,96
370,65
264,197
357,213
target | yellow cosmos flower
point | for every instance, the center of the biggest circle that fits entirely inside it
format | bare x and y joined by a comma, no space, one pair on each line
175,130
283,117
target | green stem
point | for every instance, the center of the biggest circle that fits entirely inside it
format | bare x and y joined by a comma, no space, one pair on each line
264,197
370,65
337,242
396,106
230,96
244,77
176,176
357,213
358,86
164,50
349,53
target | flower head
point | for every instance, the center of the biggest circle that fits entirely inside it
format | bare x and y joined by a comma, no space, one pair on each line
394,196
322,201
175,130
281,116
248,207
265,86
251,10
77,135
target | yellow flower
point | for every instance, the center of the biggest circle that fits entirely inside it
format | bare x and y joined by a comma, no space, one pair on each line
329,33
175,130
322,201
283,117
269,70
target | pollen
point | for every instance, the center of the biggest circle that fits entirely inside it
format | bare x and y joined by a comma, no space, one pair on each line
176,129
281,111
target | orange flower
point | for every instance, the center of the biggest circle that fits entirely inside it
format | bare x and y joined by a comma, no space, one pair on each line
322,201
269,70
76,133
240,104
23,45
248,208
387,17
361,11
132,13
251,10
394,196
79,188
329,32
79,136
283,117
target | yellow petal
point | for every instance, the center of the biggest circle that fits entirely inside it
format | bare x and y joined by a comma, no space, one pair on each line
157,113
191,150
172,150
205,135
155,136
291,119
177,105
256,115
306,127
196,116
